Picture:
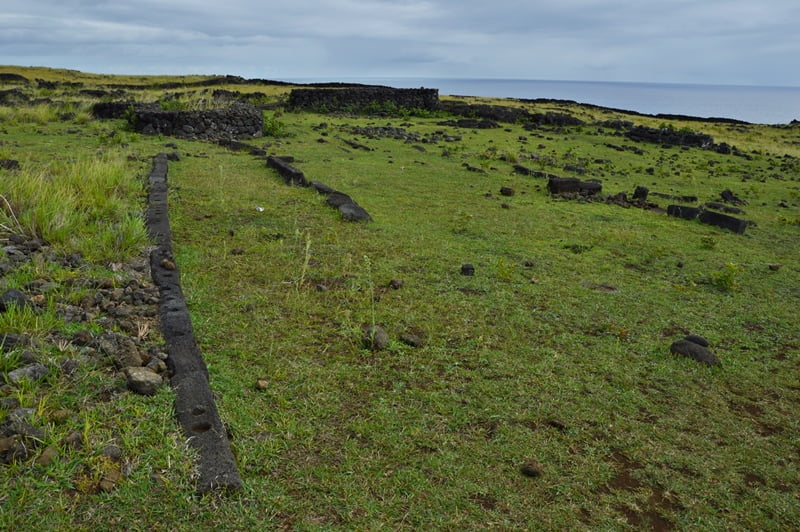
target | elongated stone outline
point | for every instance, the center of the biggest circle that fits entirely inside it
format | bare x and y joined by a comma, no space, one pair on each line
195,407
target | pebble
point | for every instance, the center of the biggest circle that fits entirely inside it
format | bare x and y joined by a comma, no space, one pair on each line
143,381
532,469
47,457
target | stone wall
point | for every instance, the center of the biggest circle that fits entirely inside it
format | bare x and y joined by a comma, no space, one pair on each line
239,121
359,98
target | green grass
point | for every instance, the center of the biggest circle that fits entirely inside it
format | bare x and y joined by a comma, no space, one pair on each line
556,351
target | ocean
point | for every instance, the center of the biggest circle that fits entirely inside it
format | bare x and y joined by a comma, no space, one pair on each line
761,105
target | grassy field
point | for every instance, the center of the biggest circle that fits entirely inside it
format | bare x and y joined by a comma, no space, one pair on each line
544,395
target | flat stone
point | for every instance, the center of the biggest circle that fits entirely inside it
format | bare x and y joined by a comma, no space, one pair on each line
694,351
697,339
32,372
47,457
143,381
353,212
412,339
13,297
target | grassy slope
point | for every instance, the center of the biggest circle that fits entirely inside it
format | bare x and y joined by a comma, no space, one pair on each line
564,362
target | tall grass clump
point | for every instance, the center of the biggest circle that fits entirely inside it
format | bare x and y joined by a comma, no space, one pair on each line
28,114
88,205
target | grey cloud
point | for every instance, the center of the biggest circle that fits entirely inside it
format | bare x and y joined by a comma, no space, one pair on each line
724,41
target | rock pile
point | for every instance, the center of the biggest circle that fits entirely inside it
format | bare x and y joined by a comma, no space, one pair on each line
238,121
123,306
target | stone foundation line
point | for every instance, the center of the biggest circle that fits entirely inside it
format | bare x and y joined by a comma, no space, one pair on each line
194,402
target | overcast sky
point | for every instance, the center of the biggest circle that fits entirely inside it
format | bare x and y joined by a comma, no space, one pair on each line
748,42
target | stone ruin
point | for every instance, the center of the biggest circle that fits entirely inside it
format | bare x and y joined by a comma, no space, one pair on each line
237,121
363,98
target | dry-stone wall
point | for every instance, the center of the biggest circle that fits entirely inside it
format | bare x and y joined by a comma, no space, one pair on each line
357,98
238,121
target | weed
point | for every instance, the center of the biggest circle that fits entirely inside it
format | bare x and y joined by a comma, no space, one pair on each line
727,279
708,242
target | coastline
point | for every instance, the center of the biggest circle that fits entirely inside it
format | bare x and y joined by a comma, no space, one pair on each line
738,103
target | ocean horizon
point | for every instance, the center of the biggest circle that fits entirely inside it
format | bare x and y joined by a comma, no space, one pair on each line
755,104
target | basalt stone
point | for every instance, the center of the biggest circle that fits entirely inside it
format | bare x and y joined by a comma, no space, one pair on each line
507,191
724,221
694,351
682,211
13,297
564,185
9,164
374,337
353,212
640,193
727,209
32,372
697,339
322,188
9,342
337,199
290,174
467,269
120,348
729,197
143,381
412,339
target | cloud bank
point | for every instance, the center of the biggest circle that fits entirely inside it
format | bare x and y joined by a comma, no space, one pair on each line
672,41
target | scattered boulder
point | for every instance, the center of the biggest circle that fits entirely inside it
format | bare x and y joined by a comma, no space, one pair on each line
532,468
507,191
353,212
13,297
350,210
692,347
374,337
467,269
9,164
32,372
729,197
412,338
641,193
47,457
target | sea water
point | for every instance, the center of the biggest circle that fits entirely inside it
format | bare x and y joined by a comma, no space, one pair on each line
756,104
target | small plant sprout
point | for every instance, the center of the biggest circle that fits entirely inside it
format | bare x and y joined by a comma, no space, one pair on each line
142,330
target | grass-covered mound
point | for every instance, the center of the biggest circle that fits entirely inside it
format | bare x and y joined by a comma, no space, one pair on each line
540,392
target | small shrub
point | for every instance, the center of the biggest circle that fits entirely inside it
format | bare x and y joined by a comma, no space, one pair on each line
273,127
726,279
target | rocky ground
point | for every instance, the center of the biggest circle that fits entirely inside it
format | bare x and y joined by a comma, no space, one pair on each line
103,323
